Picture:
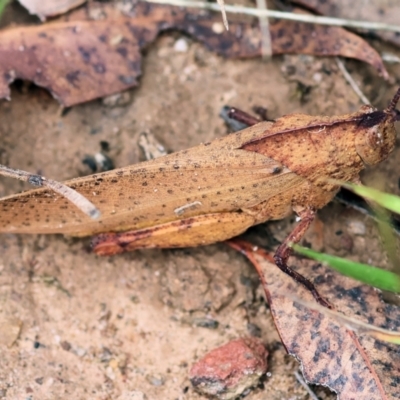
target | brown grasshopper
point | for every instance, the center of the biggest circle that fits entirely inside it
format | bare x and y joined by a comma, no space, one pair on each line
217,190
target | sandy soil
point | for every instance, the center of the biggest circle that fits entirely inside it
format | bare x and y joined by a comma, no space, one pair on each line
130,326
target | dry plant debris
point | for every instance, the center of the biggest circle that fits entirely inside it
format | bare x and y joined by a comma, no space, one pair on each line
353,365
384,316
377,10
97,51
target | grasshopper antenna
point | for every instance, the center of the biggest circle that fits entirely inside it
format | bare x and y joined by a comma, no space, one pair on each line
70,194
392,106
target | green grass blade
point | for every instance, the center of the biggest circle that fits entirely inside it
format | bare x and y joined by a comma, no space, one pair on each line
3,4
379,278
386,200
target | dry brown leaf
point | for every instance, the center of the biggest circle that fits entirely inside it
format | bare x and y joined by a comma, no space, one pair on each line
387,11
353,365
81,59
323,40
10,328
48,8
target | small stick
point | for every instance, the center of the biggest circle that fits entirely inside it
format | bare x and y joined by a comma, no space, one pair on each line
72,195
266,46
311,19
303,383
351,81
221,3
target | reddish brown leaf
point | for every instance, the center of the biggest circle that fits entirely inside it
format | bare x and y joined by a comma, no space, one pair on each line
353,365
323,40
81,59
387,11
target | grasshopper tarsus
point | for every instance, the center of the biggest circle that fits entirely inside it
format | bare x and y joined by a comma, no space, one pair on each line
262,112
248,250
284,251
242,116
282,265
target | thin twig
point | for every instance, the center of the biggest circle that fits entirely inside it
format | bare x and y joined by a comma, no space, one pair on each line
303,383
221,3
72,195
351,323
312,19
390,58
266,46
351,81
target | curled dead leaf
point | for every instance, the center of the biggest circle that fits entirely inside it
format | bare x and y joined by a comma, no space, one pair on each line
353,365
81,59
387,11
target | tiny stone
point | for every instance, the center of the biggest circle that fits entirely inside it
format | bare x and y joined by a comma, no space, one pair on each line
230,370
65,345
217,27
356,228
79,351
254,329
181,45
117,99
155,380
206,322
317,77
39,381
132,395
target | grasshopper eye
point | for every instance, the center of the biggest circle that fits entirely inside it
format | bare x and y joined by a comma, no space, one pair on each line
375,143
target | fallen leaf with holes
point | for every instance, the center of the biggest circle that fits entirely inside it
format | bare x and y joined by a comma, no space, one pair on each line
386,11
50,8
353,365
81,59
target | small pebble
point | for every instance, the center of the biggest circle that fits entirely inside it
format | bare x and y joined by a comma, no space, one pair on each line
181,45
65,345
117,99
228,371
132,395
356,228
155,380
217,27
205,322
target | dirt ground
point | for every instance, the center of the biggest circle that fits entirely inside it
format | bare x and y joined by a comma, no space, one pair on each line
130,326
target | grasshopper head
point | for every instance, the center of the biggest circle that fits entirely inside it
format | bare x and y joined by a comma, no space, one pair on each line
377,135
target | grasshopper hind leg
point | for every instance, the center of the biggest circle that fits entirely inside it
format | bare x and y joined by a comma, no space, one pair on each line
187,232
284,251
